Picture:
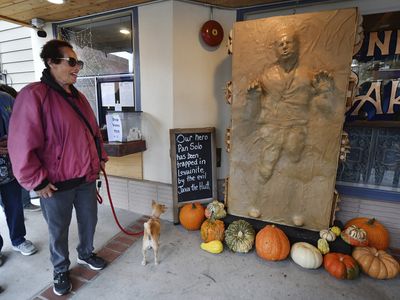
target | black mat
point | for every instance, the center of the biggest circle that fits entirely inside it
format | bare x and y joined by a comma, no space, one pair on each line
296,234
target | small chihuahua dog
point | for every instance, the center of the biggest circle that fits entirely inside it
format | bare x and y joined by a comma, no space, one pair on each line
151,233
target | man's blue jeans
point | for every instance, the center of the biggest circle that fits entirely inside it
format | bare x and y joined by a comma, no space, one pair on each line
26,197
11,197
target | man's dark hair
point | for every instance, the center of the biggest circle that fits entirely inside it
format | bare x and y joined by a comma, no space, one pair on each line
52,50
9,90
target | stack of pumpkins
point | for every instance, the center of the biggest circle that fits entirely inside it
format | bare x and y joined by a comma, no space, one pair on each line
273,244
239,236
369,238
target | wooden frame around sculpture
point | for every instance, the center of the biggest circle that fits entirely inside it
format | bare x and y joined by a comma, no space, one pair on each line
290,77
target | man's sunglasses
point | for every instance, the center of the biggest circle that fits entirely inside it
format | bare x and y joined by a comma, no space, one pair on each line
72,62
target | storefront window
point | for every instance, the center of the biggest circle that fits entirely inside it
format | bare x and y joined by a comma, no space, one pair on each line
374,159
107,46
373,120
104,43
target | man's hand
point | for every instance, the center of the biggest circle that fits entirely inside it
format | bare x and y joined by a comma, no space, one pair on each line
47,192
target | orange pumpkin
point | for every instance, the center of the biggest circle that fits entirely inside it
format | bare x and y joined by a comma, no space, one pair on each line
272,243
376,263
212,230
341,266
192,216
377,234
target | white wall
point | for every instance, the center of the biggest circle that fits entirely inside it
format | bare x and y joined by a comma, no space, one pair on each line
201,73
182,80
156,75
16,54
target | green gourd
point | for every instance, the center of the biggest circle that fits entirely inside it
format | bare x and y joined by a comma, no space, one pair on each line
239,236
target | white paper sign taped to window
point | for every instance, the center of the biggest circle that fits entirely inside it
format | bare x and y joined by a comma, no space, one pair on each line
114,128
108,93
126,93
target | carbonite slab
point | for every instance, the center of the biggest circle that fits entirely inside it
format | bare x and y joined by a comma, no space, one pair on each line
290,76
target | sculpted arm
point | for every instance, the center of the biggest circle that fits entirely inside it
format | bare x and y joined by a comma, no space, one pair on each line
253,99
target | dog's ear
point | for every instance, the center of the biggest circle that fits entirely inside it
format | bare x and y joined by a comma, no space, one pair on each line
153,203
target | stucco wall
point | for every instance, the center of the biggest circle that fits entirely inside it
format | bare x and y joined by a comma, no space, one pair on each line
156,74
182,79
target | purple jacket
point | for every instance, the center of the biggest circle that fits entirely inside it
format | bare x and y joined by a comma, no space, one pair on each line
48,141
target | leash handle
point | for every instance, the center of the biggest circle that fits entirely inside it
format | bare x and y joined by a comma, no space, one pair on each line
100,200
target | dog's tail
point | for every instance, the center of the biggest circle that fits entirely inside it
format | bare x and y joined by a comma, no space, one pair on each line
147,227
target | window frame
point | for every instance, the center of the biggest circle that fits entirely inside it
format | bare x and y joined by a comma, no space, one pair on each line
133,12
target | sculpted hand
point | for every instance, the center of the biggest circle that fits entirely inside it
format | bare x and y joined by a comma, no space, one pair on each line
47,192
323,82
254,87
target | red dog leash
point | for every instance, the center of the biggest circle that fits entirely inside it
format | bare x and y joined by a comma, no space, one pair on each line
100,200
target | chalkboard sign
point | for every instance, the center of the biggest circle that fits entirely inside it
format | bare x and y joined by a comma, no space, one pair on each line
193,165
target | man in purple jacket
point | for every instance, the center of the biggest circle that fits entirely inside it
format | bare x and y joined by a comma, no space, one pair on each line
56,149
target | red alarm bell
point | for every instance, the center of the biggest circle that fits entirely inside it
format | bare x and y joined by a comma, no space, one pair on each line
212,33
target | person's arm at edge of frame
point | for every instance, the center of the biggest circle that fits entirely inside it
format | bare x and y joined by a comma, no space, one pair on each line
6,101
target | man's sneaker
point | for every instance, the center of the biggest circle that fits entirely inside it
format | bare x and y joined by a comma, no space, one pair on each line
32,207
93,261
61,283
26,248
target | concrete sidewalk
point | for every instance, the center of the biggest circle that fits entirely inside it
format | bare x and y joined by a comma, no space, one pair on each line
22,277
185,271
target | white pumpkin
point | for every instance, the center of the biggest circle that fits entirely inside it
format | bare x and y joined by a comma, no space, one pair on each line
327,235
306,255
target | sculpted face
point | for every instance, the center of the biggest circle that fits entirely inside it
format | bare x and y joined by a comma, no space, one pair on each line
287,46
